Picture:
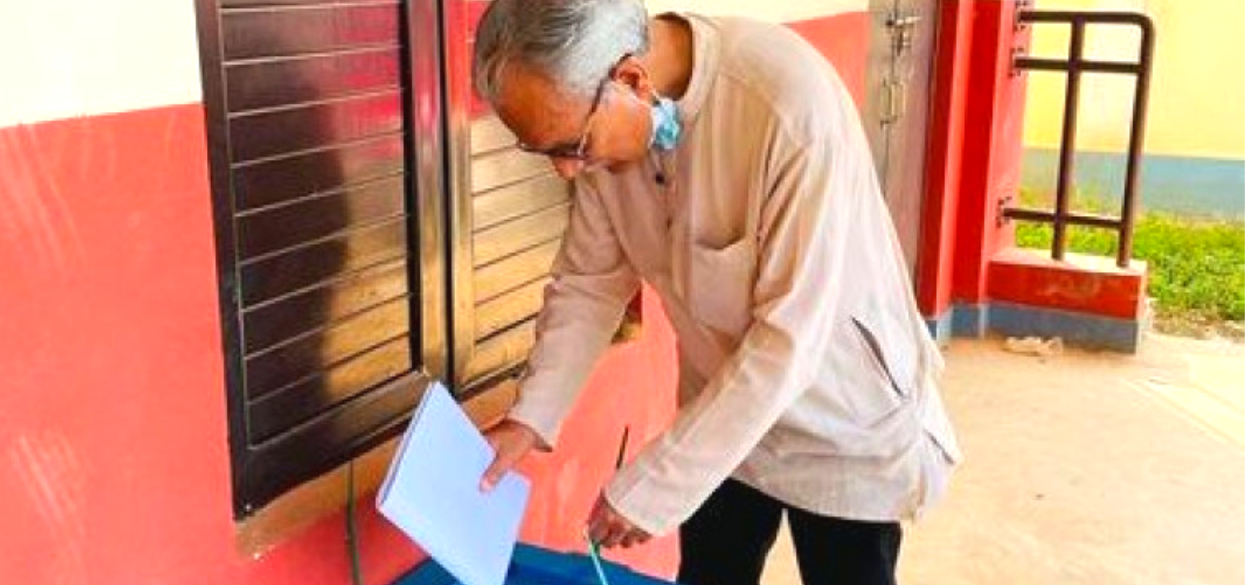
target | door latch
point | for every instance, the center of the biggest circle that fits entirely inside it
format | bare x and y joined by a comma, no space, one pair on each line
902,29
894,98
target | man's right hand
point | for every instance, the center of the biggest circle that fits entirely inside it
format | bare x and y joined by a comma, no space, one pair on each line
511,440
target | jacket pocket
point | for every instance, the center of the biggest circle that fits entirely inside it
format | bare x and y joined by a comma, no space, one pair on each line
873,347
879,390
720,282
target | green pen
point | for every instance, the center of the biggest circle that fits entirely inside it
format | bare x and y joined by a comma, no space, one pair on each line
594,553
594,550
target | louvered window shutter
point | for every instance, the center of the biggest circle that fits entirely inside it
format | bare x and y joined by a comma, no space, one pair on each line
513,215
508,211
323,209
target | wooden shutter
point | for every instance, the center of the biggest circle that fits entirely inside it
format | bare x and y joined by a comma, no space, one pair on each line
508,211
510,228
322,211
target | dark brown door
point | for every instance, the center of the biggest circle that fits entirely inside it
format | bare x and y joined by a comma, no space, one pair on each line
897,107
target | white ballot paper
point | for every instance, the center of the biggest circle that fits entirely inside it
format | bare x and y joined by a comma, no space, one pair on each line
432,493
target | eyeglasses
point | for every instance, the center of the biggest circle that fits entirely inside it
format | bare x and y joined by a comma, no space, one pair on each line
579,149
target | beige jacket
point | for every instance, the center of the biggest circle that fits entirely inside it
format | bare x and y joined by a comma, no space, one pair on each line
807,370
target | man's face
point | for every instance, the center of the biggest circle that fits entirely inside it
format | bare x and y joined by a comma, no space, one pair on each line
567,129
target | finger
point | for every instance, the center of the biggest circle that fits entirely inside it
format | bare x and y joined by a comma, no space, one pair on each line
500,465
493,442
597,529
636,537
614,536
491,475
598,521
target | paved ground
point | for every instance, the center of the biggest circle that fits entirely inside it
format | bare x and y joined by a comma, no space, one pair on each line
1087,468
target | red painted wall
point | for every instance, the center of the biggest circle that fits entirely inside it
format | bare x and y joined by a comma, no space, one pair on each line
844,40
112,415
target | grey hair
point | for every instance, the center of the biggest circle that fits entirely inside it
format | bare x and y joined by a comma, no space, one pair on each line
574,43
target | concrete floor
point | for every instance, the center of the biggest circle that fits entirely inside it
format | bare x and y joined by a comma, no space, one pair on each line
1087,468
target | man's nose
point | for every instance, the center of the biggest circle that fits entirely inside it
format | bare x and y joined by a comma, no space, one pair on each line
567,168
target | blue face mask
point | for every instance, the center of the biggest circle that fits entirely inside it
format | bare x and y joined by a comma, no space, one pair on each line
666,127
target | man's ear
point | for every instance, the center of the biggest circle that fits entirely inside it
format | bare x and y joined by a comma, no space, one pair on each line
631,73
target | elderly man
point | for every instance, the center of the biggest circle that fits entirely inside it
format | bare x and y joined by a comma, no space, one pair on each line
721,161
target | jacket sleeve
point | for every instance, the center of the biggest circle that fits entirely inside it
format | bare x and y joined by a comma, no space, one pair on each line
592,283
799,264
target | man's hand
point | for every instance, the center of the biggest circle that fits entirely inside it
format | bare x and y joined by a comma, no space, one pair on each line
511,440
608,528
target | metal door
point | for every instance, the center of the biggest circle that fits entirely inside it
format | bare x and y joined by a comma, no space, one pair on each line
897,107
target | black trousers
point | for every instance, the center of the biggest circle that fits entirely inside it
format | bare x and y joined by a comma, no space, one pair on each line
726,541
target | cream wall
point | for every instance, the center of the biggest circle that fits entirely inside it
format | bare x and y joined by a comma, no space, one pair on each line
771,10
1197,95
66,58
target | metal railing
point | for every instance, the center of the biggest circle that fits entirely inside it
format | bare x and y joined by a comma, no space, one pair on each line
1075,65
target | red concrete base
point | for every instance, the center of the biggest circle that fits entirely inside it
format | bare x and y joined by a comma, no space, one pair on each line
1086,300
1084,284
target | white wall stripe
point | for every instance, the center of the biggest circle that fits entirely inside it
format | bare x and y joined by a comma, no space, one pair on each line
771,10
72,58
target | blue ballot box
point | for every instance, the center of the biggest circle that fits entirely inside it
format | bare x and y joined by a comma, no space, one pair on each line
532,565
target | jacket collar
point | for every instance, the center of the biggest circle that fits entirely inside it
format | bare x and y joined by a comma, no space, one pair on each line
705,54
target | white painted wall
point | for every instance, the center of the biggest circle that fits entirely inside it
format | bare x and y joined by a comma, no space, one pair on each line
67,58
771,10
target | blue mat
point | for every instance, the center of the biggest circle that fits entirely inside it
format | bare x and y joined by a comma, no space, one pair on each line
537,566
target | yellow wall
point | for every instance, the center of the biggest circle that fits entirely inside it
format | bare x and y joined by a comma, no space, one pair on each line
1197,94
